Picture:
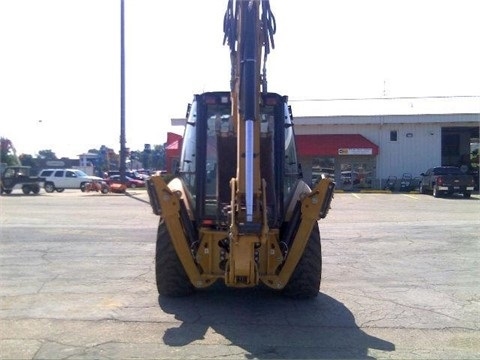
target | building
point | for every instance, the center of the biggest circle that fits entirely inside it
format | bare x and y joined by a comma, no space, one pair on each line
363,143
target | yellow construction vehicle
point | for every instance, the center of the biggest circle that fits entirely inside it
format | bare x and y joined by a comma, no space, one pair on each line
238,209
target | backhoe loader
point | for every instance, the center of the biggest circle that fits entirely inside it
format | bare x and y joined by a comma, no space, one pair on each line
238,210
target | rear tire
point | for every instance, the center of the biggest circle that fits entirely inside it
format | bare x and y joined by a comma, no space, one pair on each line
436,192
467,195
26,189
49,187
60,190
172,280
305,280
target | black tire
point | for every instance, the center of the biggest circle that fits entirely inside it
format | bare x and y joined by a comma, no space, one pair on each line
436,193
36,189
82,187
26,189
49,187
172,280
422,189
60,190
305,280
467,195
104,190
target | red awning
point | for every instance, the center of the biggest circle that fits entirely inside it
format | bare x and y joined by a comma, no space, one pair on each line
334,145
173,145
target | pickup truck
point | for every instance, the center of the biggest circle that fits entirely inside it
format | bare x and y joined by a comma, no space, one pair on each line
446,180
13,177
61,179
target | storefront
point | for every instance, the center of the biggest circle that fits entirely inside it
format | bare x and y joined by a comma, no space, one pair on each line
349,159
344,140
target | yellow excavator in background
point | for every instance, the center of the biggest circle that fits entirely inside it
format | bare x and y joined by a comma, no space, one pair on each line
238,209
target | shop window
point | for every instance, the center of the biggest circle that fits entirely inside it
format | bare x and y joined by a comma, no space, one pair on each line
323,167
393,135
356,175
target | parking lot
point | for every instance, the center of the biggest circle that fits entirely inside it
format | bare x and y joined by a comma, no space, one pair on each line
400,281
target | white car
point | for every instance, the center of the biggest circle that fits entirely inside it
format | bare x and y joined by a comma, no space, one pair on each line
61,179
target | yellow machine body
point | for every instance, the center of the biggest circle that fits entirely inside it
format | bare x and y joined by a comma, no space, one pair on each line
238,209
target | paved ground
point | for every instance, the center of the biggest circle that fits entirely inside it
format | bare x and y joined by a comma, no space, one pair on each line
401,281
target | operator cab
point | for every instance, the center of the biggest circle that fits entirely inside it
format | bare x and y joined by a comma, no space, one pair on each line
208,158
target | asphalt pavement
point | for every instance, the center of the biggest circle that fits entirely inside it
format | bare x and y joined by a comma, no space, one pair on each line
400,281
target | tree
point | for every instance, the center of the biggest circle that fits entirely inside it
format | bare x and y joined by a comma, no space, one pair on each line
8,154
158,157
47,155
152,158
27,160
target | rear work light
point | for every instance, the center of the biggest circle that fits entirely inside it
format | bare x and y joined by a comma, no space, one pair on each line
210,100
216,99
271,101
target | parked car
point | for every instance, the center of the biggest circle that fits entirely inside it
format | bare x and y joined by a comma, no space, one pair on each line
61,179
129,182
13,177
130,173
446,180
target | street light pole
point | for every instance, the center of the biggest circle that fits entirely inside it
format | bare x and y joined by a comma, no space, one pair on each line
123,153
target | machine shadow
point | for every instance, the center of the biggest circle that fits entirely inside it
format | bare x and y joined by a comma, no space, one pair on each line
269,326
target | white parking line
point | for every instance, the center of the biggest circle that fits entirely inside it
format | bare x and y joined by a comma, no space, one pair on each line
411,196
355,195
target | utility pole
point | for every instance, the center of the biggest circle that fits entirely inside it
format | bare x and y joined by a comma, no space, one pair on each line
123,152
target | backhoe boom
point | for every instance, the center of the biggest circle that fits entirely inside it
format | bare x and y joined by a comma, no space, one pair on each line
238,209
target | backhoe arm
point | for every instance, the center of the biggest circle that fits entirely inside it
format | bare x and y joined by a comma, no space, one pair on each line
246,29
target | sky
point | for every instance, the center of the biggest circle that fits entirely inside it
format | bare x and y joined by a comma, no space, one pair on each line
60,61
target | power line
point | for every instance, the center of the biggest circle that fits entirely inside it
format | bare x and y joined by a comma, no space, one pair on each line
390,98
